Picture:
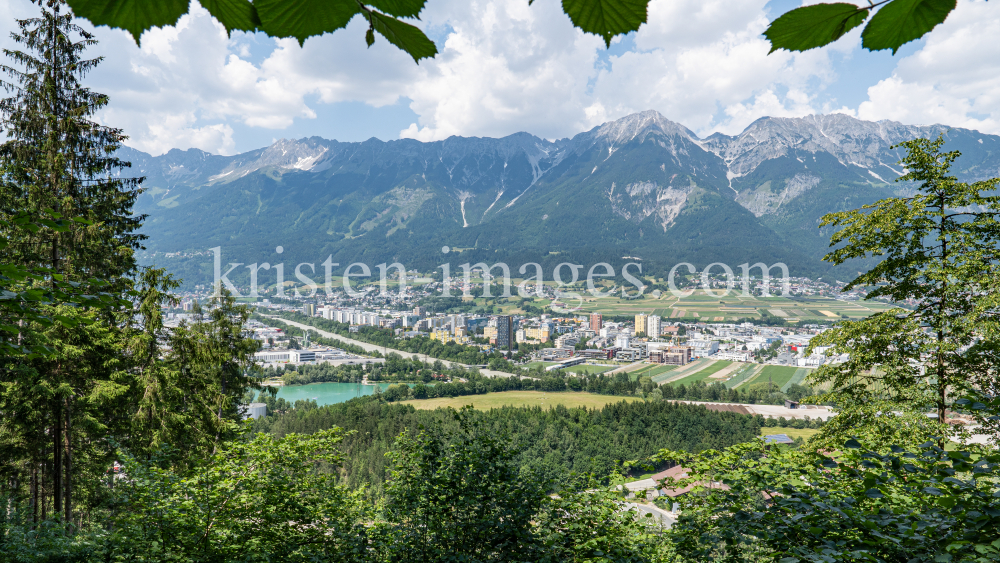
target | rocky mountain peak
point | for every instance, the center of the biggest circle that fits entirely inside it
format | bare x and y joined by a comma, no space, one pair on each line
852,141
621,131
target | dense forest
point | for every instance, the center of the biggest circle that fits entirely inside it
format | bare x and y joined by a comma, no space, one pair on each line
552,442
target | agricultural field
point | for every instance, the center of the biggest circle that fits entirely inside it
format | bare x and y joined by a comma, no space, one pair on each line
651,371
798,377
702,373
743,374
681,371
780,376
706,308
521,399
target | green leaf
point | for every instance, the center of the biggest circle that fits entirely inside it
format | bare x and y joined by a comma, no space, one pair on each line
606,18
303,19
813,26
874,493
134,16
234,15
902,21
399,8
404,36
852,443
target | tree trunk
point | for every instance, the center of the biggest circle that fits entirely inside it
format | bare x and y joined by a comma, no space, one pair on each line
42,504
57,448
69,467
34,493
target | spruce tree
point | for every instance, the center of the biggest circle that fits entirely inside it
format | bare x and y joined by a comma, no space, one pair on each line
938,252
59,167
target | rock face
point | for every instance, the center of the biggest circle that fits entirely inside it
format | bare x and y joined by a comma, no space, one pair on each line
641,185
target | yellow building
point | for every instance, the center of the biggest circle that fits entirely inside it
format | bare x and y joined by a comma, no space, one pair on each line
445,336
537,333
640,323
490,332
441,334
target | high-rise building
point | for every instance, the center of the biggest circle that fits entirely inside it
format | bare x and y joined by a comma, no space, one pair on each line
653,326
596,322
420,311
640,324
309,310
505,332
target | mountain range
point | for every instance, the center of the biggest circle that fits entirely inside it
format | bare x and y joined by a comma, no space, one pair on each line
639,187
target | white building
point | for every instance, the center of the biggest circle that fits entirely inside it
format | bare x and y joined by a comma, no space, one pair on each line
653,326
290,356
567,341
733,356
622,341
703,348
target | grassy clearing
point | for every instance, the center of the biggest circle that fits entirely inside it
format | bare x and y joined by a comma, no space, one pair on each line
522,399
703,373
793,433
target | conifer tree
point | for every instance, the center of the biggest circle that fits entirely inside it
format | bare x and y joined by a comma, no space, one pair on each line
938,252
59,166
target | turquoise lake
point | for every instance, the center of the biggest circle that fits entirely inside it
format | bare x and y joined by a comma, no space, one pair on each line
327,393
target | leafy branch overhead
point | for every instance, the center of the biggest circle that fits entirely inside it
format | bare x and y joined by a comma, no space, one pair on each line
300,19
303,19
891,24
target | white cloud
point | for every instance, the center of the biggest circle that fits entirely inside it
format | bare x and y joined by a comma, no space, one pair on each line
506,67
188,84
954,79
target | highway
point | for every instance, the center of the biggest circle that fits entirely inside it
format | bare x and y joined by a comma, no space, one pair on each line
373,348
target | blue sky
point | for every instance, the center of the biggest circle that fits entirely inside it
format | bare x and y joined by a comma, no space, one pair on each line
506,67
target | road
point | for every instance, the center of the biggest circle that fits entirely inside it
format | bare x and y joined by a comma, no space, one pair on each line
666,519
373,348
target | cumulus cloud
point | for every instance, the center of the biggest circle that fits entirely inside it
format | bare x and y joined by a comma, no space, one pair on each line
188,84
954,79
506,67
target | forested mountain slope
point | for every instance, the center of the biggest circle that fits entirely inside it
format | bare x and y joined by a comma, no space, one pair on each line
640,186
